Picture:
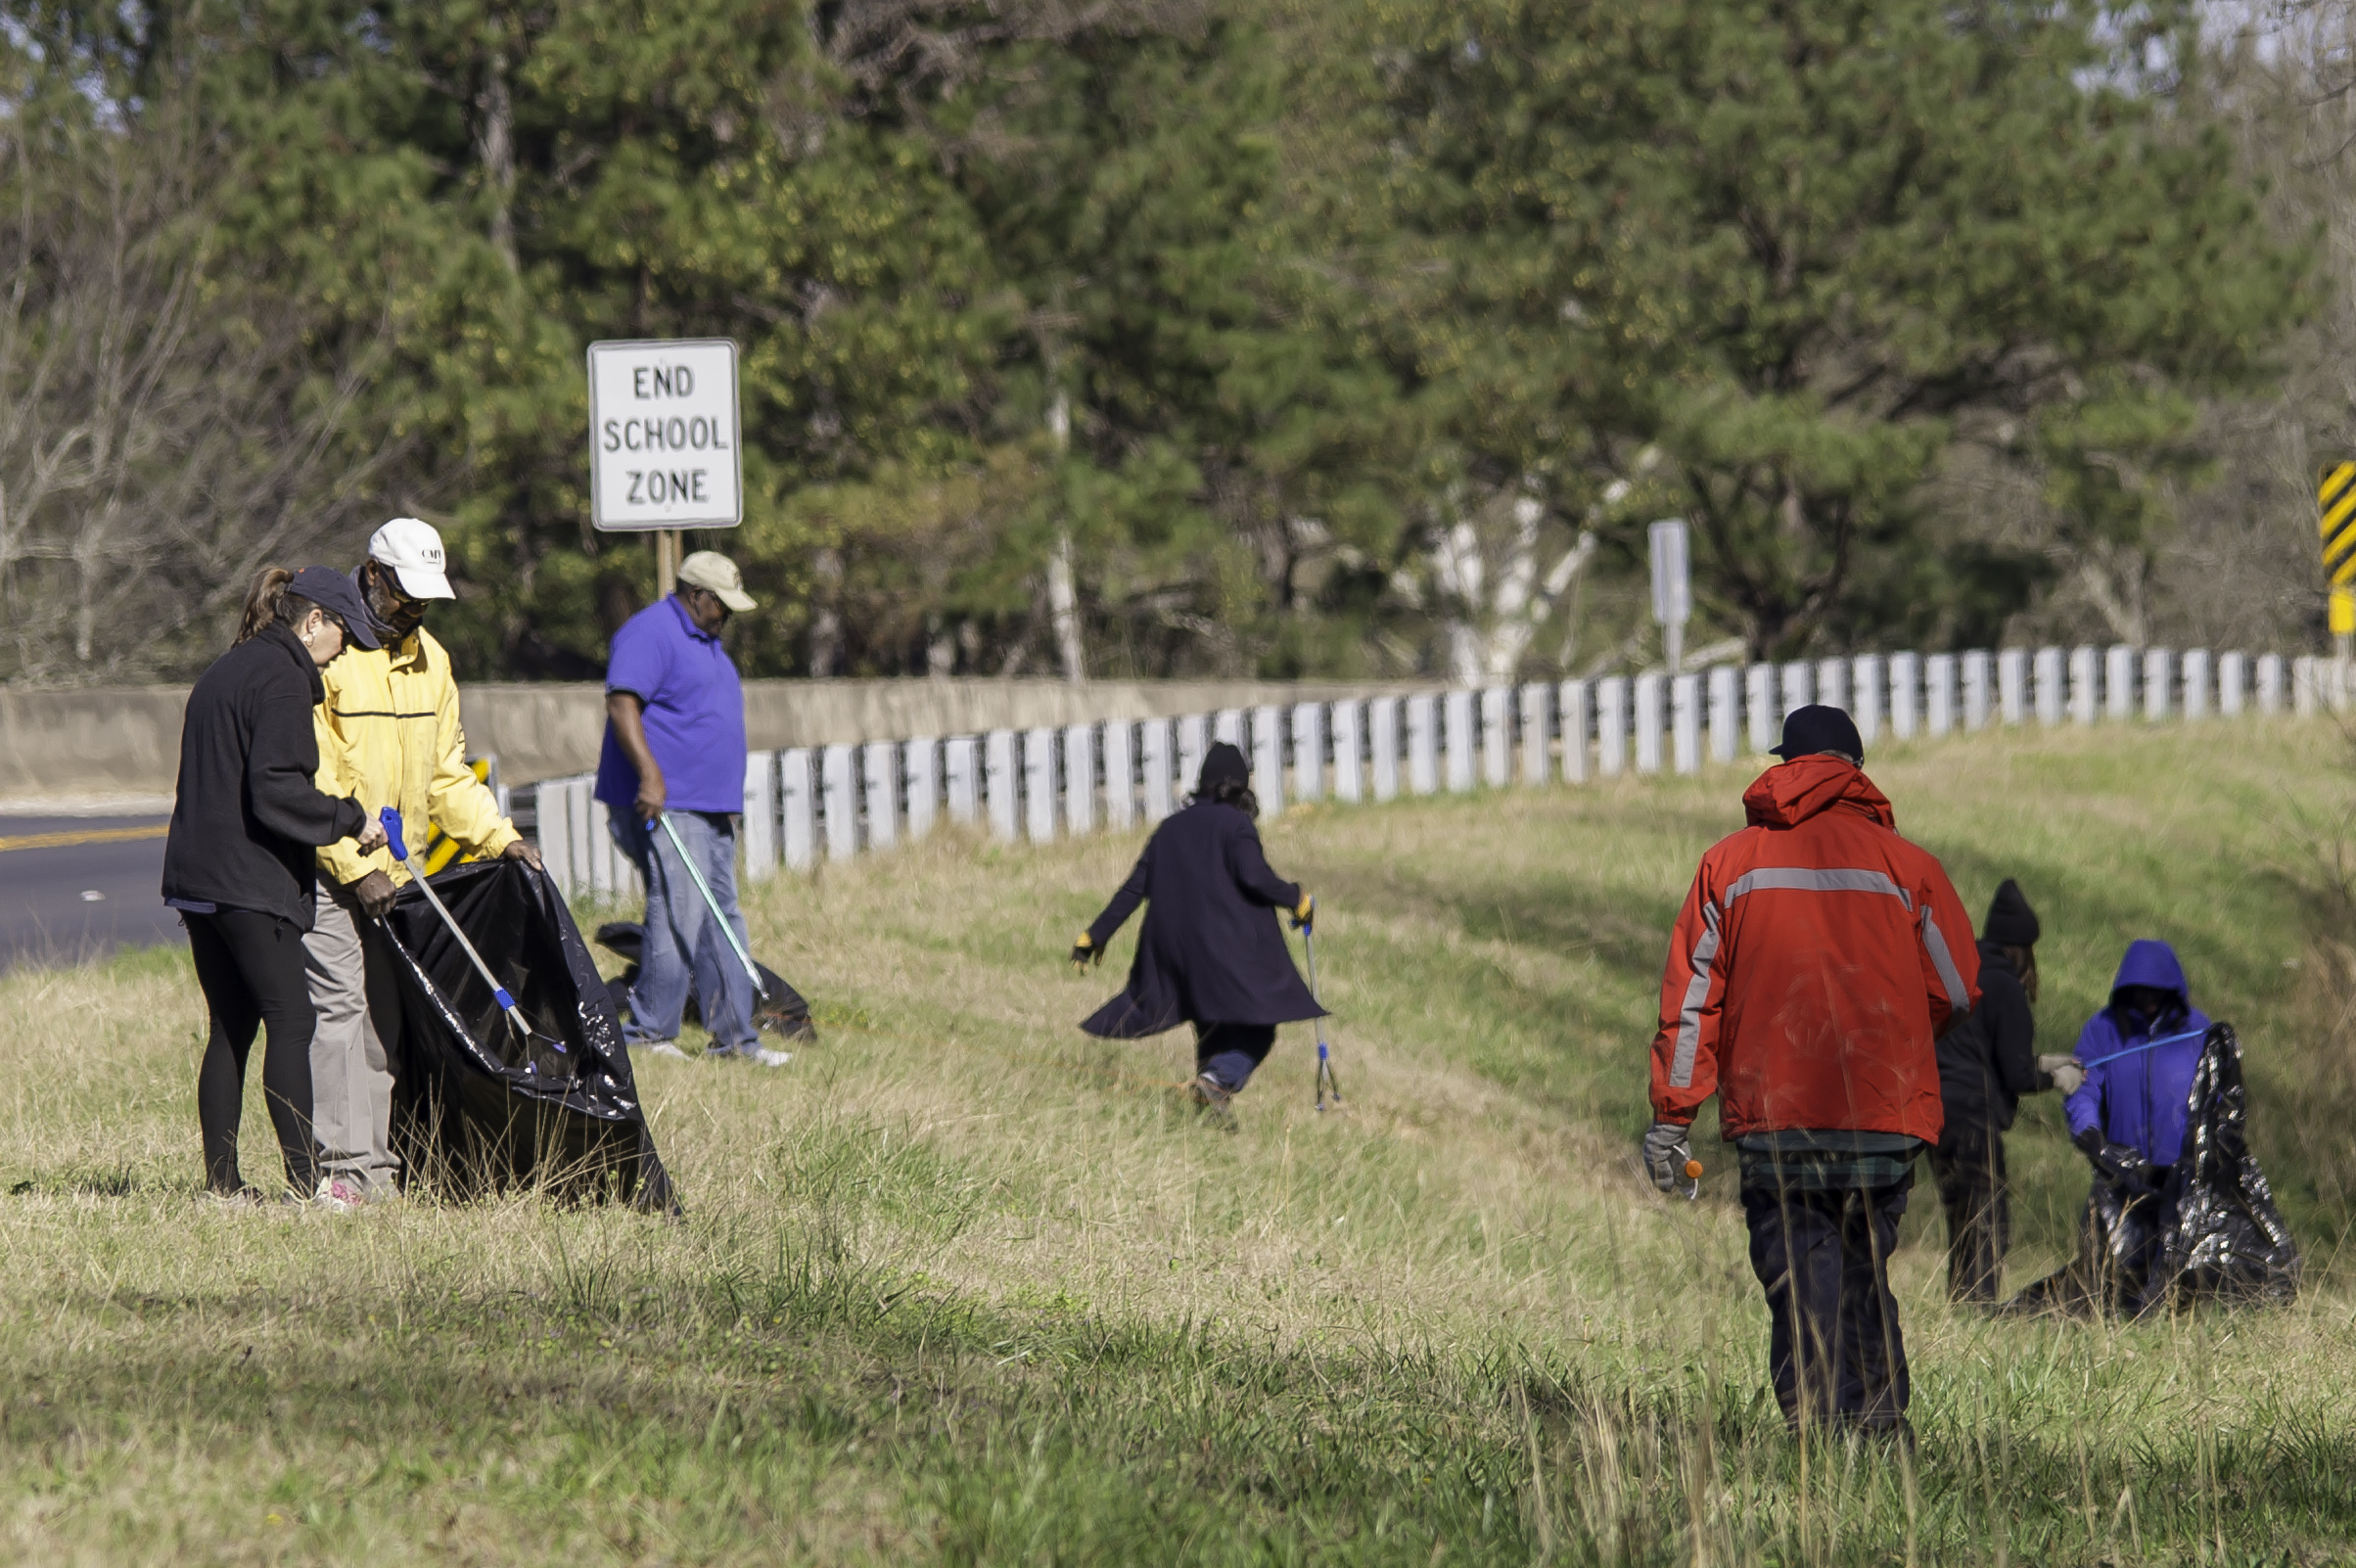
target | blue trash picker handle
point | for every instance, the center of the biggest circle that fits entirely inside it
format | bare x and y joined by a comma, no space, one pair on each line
391,816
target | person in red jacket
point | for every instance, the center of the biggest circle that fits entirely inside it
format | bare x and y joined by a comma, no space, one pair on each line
1818,959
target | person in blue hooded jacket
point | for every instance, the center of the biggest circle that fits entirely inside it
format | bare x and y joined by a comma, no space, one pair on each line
2140,1053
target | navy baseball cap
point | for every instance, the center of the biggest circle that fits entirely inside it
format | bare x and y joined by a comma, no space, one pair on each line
1817,728
337,594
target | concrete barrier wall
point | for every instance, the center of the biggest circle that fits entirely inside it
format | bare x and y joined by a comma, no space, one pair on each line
126,740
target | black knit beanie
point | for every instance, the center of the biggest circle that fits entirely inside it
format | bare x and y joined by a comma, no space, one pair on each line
1223,765
2010,921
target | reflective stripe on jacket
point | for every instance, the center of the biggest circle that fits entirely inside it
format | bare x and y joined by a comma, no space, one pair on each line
389,733
1816,959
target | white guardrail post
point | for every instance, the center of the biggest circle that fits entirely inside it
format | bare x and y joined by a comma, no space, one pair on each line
1833,683
796,809
1459,745
760,840
1423,744
840,800
880,765
1039,785
1309,750
2012,685
1119,774
1939,694
1649,719
1869,681
920,765
1685,724
1350,751
2233,684
1538,733
1759,703
1382,724
1157,751
1978,674
1194,743
1497,736
1725,712
1611,725
1267,760
2119,683
1080,778
1906,693
1575,715
998,784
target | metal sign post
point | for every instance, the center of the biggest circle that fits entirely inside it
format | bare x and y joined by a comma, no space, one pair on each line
1672,589
664,447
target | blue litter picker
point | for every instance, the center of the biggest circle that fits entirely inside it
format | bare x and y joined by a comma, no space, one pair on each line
392,819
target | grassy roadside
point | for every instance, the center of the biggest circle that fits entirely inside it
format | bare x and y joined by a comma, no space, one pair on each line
962,1284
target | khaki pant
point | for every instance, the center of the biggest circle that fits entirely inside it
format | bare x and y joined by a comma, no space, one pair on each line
359,1007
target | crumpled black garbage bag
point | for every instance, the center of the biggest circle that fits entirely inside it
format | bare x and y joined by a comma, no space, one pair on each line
477,1110
2210,1233
782,1011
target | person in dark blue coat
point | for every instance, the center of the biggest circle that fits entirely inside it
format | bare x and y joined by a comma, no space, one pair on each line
2139,1053
1211,953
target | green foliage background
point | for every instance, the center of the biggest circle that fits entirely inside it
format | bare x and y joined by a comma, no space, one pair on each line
1251,304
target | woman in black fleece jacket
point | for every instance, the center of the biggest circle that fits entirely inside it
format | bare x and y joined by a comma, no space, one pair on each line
238,863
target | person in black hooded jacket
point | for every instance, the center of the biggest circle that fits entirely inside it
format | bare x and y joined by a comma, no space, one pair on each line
239,859
1986,1064
1211,953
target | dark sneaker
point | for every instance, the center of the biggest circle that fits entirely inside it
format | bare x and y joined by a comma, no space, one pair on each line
1216,1101
753,1055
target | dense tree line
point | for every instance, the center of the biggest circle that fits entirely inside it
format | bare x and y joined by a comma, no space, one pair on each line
1159,337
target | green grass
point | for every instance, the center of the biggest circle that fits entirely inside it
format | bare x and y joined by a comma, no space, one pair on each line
963,1286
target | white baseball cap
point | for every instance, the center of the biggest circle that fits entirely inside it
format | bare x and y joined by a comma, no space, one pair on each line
413,550
711,570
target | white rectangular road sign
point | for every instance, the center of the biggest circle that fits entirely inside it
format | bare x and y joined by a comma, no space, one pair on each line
662,435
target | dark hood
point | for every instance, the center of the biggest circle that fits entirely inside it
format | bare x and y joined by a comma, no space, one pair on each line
2152,963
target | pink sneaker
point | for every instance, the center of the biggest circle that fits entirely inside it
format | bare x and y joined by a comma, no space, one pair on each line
335,1195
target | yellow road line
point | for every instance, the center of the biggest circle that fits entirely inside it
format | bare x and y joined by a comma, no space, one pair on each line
60,841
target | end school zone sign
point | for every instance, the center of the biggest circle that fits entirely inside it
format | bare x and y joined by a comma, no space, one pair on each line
662,435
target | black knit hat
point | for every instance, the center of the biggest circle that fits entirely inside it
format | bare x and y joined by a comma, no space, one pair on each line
1223,765
2010,921
1817,728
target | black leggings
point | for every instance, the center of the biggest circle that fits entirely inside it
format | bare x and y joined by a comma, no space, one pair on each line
251,968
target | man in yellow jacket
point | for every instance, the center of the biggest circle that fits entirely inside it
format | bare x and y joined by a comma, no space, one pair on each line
389,733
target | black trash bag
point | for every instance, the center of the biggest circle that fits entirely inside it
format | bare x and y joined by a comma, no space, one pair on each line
476,1110
2210,1233
782,1013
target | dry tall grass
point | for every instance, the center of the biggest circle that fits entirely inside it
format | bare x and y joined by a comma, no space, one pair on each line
962,1283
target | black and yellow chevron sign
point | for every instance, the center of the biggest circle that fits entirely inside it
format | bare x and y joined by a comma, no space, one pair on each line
2336,526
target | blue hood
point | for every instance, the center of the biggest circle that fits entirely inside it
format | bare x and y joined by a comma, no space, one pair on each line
2152,963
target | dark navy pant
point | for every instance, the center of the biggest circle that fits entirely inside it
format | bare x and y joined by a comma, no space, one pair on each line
1232,1052
1834,1351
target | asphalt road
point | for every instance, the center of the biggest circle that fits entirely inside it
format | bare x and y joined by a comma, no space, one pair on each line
77,887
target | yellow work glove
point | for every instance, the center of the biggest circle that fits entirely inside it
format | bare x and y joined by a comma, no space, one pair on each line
1305,914
1084,953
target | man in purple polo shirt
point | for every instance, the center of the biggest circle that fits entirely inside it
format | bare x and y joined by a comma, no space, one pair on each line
675,750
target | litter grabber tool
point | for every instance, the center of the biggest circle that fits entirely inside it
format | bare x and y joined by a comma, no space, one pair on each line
752,969
1326,1082
392,819
2154,1044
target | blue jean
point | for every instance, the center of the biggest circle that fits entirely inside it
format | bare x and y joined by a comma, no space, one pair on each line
1232,1052
684,945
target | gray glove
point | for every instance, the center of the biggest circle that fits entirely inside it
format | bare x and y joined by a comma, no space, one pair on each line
1667,1153
2066,1072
